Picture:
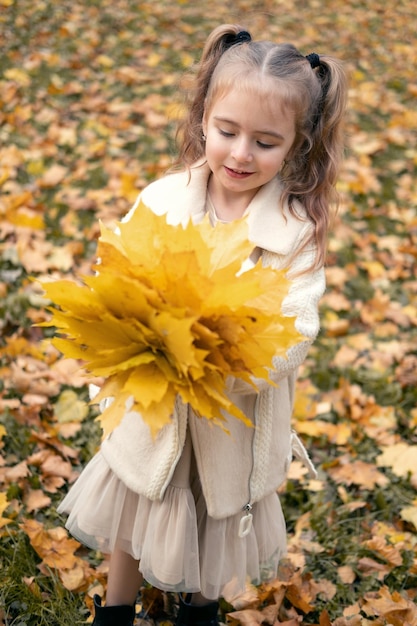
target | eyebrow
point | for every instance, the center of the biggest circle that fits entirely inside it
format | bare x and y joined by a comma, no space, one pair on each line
271,133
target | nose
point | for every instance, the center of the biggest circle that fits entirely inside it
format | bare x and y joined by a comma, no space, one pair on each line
241,150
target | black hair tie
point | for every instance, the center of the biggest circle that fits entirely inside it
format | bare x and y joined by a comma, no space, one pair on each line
313,59
241,37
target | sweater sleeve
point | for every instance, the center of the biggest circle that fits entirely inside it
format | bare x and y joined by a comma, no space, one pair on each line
302,302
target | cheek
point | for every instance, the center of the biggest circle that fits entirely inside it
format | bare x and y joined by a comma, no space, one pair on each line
273,163
214,147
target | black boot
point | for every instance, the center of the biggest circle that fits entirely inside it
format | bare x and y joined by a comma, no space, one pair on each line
123,615
192,615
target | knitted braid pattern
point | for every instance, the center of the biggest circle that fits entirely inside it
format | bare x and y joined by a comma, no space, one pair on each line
161,480
262,443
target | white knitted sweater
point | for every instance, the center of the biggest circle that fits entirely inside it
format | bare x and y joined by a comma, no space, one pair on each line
249,463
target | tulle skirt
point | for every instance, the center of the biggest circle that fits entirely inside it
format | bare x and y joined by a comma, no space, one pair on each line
179,546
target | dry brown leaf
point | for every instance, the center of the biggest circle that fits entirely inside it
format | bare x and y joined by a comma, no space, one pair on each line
345,356
357,472
406,372
346,574
270,614
53,176
324,619
18,471
336,301
300,594
53,545
396,609
355,620
52,484
54,465
323,588
337,328
36,499
386,551
370,567
73,578
246,617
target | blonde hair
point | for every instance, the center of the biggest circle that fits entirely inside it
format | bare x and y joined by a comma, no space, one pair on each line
314,87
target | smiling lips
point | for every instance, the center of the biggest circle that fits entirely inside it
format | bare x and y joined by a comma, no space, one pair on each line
237,173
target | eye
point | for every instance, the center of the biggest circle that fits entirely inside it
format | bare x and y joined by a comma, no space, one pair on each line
265,146
225,133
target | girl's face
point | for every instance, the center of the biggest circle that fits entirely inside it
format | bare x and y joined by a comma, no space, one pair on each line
247,139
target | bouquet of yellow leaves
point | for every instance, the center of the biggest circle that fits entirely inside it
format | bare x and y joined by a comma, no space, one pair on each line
169,313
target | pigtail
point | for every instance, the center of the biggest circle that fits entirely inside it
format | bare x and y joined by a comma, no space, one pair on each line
328,121
312,171
190,132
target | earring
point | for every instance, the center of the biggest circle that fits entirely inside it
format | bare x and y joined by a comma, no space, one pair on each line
203,137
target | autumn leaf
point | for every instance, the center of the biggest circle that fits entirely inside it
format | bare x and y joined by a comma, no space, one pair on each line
177,327
409,514
3,506
36,499
247,617
57,552
74,578
365,475
402,459
346,574
389,553
300,596
53,545
53,176
69,408
396,608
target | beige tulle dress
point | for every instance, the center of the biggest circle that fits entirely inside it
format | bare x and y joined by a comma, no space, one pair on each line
179,546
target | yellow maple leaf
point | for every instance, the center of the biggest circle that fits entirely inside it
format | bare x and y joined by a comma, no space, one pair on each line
170,313
401,458
409,514
128,186
4,503
18,75
69,408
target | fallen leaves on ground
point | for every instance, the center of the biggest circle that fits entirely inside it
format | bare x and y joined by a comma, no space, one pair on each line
89,99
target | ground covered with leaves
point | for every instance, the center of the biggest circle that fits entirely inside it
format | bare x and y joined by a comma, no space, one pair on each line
89,99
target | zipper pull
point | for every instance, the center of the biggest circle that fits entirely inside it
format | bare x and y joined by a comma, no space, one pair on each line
245,524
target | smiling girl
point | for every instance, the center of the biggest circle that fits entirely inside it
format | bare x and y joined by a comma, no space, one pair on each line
243,151
196,510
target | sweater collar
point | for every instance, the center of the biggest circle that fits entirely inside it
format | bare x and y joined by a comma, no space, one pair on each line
271,225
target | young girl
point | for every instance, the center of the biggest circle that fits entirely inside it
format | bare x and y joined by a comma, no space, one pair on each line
196,510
